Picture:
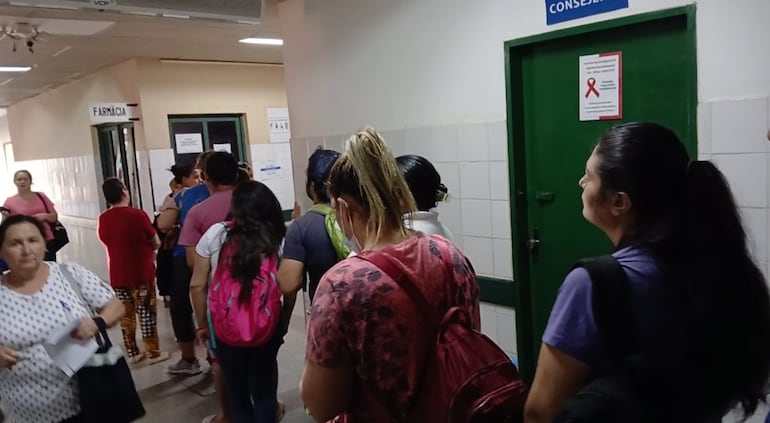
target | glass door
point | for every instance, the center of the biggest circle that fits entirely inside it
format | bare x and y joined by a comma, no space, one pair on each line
118,156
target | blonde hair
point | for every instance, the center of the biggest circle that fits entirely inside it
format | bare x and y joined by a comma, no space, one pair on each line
368,173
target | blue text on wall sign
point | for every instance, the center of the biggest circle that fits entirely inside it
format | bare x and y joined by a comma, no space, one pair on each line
566,10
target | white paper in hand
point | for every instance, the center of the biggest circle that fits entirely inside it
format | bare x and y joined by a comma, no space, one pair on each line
69,354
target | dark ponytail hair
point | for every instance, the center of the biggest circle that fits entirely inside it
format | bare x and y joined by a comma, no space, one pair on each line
423,180
257,231
685,213
181,171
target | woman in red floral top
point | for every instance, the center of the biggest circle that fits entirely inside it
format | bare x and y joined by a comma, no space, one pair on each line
367,342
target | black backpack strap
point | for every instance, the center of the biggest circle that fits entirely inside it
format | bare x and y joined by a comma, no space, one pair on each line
612,305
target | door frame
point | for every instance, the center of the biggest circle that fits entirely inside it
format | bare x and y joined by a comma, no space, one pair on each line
240,128
514,80
133,184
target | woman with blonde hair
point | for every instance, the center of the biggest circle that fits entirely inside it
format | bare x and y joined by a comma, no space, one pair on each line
367,341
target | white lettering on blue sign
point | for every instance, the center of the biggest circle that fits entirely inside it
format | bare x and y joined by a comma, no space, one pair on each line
565,10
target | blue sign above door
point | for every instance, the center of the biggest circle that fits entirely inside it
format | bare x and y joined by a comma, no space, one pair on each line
567,10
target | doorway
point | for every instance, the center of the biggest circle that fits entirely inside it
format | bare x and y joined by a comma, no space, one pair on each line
191,135
548,144
117,151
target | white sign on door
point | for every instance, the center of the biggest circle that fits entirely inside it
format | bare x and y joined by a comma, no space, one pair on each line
601,86
188,143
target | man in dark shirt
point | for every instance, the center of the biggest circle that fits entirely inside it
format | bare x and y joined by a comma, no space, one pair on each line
308,251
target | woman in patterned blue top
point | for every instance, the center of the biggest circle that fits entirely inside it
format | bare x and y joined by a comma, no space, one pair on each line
36,298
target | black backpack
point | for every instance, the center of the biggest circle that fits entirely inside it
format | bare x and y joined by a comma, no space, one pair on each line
625,389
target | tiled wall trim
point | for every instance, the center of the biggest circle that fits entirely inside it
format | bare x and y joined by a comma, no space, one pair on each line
473,162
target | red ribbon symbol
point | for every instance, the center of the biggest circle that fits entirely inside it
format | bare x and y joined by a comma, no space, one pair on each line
592,87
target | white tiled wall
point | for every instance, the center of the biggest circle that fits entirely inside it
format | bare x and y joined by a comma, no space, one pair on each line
72,183
160,162
499,323
733,133
473,162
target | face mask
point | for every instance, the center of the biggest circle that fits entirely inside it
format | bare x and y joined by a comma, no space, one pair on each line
351,242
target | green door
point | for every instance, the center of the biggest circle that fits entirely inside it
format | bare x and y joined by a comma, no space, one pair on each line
213,132
549,144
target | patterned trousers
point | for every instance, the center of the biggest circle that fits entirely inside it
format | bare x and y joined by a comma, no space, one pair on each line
140,302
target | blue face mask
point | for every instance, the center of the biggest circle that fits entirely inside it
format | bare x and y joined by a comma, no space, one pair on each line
351,242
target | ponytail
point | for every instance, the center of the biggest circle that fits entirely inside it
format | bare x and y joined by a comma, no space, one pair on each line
685,214
181,171
367,172
722,294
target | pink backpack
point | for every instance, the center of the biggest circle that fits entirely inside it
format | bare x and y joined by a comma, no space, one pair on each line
250,323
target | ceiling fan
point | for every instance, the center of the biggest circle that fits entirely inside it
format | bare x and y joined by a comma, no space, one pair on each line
25,32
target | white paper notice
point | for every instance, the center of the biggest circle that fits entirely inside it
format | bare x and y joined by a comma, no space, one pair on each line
601,86
189,143
223,147
69,354
278,124
272,166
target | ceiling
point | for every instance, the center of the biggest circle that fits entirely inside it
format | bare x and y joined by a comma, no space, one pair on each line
63,58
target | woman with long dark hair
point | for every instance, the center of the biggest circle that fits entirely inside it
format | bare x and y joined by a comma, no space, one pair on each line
699,303
242,250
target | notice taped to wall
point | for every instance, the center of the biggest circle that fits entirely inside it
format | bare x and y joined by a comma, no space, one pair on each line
600,86
188,143
223,147
273,167
278,124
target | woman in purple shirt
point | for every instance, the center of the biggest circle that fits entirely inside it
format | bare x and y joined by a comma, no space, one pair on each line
699,302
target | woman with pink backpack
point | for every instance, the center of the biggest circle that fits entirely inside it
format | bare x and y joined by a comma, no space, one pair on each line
244,301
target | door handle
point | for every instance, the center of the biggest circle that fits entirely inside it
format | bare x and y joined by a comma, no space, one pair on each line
533,243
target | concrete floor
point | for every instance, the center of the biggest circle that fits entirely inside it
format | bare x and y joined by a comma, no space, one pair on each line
175,399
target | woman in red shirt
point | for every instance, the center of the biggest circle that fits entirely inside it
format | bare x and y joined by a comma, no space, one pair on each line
35,204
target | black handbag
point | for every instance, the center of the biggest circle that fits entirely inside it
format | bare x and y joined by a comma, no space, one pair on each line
107,390
60,236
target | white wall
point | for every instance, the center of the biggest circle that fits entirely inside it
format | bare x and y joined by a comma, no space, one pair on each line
196,88
53,138
429,75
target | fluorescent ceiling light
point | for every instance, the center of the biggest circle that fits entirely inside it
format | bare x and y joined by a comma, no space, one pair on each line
139,13
216,62
62,51
263,41
171,15
43,6
14,68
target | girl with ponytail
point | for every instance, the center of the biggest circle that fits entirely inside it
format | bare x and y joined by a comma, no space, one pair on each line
426,187
699,303
366,341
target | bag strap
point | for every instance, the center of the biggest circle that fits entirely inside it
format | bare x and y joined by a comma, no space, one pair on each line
101,337
387,265
332,229
612,305
70,278
321,208
45,205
